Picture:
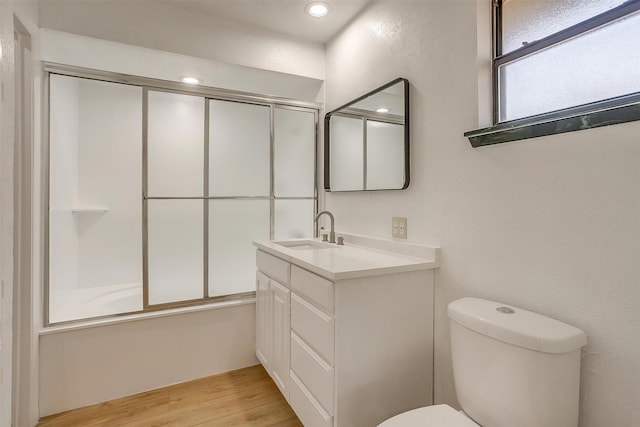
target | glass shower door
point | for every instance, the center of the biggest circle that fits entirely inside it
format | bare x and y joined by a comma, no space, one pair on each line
174,202
239,191
294,173
155,196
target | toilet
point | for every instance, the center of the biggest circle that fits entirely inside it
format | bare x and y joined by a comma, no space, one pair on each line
511,368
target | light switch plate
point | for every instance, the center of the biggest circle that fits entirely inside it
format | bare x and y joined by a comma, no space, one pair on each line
399,227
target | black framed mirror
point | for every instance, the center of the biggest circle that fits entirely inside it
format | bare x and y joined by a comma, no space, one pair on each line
366,141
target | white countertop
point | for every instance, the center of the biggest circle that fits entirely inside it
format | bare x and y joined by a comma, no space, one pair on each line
356,260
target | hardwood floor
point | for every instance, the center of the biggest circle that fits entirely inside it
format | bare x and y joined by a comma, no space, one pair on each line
246,397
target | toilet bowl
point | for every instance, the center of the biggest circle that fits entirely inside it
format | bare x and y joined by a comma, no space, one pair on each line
510,367
431,416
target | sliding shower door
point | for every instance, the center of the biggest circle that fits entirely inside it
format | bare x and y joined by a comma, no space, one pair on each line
155,195
294,192
239,191
175,150
222,174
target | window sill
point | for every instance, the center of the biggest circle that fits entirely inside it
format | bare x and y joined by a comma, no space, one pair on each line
603,113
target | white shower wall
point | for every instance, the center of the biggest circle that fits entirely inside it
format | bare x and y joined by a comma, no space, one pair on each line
64,194
110,171
95,192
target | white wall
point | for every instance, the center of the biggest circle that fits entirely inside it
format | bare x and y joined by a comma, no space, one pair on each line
85,366
70,49
157,26
28,315
549,224
6,207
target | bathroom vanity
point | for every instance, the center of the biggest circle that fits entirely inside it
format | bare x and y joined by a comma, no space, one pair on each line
346,332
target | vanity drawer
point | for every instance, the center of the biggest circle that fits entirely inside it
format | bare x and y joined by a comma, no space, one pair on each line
273,267
306,407
313,372
317,289
314,326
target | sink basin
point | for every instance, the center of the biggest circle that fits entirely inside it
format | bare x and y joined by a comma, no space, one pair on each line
302,245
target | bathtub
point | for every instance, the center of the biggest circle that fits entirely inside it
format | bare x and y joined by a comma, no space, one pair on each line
74,304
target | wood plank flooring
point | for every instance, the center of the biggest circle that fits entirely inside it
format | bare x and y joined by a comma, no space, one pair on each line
246,397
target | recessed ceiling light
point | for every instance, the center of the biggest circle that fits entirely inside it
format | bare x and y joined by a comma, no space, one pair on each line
382,110
317,9
191,80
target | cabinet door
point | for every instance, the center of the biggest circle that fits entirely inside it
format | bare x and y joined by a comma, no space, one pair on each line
263,320
281,300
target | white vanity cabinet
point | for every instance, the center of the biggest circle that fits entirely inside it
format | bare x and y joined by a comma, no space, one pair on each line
360,341
263,320
280,305
273,299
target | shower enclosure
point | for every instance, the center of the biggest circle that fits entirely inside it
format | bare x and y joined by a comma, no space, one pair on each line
157,190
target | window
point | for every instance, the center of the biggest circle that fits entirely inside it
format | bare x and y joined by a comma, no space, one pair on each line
563,65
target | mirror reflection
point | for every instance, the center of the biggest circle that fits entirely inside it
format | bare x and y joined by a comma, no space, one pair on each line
367,141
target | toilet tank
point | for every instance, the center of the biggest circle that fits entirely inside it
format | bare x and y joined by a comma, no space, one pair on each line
513,367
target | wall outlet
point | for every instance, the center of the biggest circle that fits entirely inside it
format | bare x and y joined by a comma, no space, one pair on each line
399,227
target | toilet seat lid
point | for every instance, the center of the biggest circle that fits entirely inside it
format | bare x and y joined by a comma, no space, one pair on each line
430,416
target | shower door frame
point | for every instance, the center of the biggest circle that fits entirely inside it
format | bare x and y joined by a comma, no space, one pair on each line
208,94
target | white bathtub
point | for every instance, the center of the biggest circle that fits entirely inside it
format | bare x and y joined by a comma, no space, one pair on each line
93,302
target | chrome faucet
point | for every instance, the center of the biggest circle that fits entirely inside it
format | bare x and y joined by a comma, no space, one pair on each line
332,234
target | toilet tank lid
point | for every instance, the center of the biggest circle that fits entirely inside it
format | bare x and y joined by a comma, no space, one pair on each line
516,326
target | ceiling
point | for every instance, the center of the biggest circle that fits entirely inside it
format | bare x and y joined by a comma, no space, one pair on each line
283,16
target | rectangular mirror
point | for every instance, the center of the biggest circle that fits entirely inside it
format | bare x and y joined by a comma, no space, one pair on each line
366,144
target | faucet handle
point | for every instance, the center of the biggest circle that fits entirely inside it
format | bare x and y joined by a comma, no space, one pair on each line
325,237
340,240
